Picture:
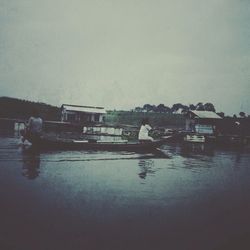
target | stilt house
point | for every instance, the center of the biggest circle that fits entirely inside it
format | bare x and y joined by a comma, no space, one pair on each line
201,122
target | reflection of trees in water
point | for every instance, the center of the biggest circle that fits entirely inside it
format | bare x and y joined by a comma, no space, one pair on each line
146,167
31,164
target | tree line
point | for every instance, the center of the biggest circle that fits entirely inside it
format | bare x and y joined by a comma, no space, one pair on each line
182,109
17,108
161,108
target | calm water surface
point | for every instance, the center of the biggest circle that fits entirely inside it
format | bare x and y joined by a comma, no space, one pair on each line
199,198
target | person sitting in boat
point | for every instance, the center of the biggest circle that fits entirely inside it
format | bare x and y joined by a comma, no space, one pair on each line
144,130
34,127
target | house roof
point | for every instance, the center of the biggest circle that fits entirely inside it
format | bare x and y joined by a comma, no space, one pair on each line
206,114
85,109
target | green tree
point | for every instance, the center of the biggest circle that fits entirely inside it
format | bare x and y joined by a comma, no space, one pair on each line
191,107
148,107
209,107
242,114
221,114
162,108
200,106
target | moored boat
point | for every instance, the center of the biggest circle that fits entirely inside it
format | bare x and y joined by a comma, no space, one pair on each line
70,144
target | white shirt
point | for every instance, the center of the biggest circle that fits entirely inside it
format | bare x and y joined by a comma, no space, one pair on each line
143,133
35,124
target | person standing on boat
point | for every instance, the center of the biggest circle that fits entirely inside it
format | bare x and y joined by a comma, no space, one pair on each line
144,130
34,127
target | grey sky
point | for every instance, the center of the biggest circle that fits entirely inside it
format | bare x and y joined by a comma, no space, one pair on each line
125,53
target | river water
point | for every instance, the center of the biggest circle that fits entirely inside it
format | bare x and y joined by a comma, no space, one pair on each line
197,198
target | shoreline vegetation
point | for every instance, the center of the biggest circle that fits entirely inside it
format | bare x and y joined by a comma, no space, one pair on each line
159,116
14,108
172,120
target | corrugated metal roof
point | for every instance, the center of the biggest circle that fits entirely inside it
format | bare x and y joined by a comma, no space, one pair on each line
86,109
206,114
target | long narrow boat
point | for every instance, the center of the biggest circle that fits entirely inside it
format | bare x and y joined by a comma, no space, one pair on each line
62,144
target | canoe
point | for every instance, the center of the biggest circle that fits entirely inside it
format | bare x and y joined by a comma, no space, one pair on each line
62,144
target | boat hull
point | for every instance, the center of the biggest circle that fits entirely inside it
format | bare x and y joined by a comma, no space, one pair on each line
46,144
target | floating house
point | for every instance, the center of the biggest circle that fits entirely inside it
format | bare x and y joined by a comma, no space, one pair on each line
201,122
89,121
82,114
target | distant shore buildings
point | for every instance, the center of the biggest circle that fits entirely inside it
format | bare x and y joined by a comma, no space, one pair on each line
76,113
202,122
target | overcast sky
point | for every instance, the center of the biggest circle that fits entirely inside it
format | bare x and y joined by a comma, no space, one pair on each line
125,53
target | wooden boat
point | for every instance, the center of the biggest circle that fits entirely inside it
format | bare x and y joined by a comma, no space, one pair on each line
68,144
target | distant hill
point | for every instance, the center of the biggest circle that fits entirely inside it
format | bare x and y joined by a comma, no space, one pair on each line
22,109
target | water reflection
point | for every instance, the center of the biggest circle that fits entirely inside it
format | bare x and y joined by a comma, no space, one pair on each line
31,164
192,149
237,161
146,167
